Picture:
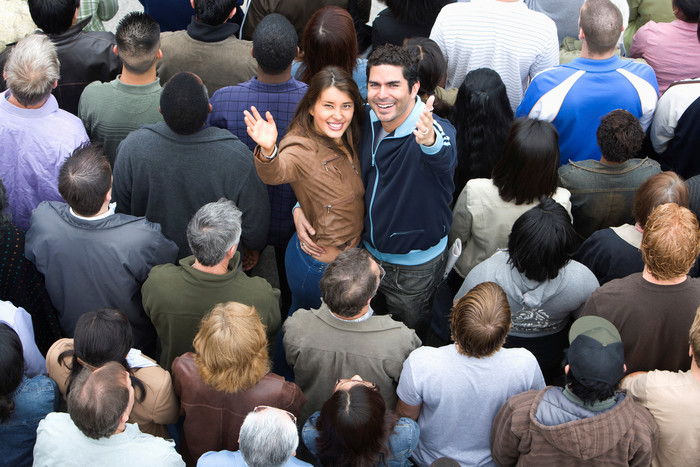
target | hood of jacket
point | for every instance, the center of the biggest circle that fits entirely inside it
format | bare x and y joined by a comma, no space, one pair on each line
528,293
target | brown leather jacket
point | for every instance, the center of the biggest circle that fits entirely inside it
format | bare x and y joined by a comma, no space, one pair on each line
326,182
213,418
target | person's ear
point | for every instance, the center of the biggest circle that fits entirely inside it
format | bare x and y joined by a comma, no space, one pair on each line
252,52
233,12
159,55
566,369
415,88
160,111
114,49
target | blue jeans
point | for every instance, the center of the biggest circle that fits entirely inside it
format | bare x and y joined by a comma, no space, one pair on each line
303,275
34,399
407,292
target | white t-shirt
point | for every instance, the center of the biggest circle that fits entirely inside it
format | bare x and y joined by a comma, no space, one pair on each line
21,321
461,396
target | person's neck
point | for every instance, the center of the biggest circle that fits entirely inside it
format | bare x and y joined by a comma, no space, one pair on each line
605,161
673,281
12,100
694,369
135,79
218,269
586,53
269,78
357,316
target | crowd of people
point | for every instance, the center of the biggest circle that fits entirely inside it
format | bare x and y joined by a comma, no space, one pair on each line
483,219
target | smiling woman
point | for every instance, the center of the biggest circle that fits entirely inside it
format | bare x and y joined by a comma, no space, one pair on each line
318,158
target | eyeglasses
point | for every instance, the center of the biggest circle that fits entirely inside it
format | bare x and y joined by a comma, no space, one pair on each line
260,408
368,384
382,272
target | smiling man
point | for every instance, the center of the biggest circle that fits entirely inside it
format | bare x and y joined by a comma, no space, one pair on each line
408,160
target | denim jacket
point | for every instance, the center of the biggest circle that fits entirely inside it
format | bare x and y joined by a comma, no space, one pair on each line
601,194
34,399
402,441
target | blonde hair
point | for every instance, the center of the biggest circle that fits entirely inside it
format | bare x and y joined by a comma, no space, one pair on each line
695,337
231,348
670,242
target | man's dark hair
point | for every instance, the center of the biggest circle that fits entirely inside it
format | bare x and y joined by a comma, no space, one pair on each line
542,241
138,40
594,392
423,12
85,178
274,44
213,12
601,22
620,136
348,282
391,54
184,103
11,369
98,399
53,16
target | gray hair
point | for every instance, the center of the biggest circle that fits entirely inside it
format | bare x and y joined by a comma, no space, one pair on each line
268,438
348,282
31,69
213,230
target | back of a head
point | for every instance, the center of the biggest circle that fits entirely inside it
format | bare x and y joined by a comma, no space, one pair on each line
329,38
98,400
431,63
274,44
85,179
695,338
666,187
213,230
268,438
352,427
138,41
213,12
601,22
11,369
689,8
31,69
53,16
527,170
349,282
620,136
542,241
231,348
596,359
184,103
480,320
670,242
394,55
482,117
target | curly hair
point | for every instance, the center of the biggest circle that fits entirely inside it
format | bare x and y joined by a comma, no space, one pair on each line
620,136
670,242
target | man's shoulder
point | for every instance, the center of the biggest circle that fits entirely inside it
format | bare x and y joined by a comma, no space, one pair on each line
168,38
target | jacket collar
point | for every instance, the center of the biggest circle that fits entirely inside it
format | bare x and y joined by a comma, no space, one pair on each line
206,33
73,31
408,125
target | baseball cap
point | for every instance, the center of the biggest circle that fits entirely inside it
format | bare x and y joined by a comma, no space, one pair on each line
596,353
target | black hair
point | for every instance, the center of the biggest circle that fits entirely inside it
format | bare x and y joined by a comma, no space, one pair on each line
85,179
184,103
53,16
482,117
138,40
213,12
11,369
5,215
596,392
542,241
391,54
689,8
527,170
423,12
620,136
432,68
101,336
274,43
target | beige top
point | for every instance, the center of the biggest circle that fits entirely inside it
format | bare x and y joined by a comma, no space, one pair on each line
160,406
672,398
483,221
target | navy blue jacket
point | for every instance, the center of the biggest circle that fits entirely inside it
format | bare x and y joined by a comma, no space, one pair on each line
408,187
